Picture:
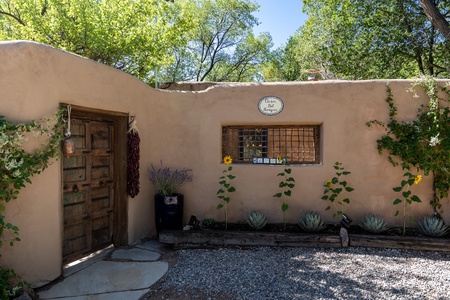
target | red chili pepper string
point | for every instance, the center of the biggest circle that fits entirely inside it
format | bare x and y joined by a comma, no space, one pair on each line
133,141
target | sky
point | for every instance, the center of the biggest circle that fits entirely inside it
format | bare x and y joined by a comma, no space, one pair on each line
281,18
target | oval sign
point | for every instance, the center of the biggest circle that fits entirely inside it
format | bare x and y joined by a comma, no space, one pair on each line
270,105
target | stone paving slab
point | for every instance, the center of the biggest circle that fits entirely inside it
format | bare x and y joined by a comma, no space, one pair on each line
151,245
135,254
129,295
122,273
106,277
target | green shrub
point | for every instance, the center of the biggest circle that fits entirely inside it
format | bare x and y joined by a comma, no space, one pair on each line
373,224
432,226
312,222
11,285
257,220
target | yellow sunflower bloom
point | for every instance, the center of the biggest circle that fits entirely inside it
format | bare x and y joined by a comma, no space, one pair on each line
227,160
279,158
328,183
418,179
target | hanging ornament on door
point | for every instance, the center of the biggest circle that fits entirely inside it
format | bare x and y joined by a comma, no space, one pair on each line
69,143
133,150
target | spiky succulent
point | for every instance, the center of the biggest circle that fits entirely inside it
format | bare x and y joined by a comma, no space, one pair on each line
256,219
432,226
312,222
373,224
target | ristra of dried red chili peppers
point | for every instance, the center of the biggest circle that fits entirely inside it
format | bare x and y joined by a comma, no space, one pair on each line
133,150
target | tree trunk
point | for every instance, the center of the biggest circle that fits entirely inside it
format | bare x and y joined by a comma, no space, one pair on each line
436,18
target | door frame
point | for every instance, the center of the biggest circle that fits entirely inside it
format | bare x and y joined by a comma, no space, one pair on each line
120,212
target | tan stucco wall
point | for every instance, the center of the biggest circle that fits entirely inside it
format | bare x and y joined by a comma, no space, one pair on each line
183,129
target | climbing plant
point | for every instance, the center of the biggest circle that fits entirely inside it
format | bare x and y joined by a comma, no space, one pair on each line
422,143
17,165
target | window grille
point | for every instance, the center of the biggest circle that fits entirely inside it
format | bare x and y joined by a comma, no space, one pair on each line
299,143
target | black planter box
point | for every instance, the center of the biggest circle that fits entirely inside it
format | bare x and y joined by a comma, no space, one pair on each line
169,212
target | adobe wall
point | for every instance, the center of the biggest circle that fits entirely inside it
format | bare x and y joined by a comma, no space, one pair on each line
183,129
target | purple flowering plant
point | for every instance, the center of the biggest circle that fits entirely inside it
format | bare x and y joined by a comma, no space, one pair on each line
166,180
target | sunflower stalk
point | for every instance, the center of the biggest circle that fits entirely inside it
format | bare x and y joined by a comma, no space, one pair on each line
407,196
225,182
285,185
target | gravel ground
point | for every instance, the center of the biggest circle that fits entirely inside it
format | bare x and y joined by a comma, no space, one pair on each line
304,273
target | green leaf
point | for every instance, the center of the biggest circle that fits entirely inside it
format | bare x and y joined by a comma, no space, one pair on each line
349,189
219,206
346,173
231,176
406,194
404,182
343,183
325,197
346,200
397,201
396,213
278,195
290,179
288,193
291,185
328,208
280,174
288,171
284,207
397,189
415,198
231,189
220,191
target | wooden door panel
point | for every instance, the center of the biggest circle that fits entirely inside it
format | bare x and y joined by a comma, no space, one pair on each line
101,230
77,243
75,204
101,135
74,169
88,189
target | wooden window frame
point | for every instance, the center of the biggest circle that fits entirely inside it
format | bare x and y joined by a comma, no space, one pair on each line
300,144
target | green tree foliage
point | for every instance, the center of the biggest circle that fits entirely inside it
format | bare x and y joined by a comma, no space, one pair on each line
355,39
224,47
130,35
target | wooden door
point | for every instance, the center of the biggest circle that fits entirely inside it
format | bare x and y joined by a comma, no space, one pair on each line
88,188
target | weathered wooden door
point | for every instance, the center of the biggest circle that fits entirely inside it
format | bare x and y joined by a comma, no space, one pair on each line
88,188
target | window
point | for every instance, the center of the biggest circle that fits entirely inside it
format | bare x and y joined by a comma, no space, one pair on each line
299,143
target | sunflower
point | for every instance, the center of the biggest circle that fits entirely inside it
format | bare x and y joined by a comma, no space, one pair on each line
227,160
328,183
418,179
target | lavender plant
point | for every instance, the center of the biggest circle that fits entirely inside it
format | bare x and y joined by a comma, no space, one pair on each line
167,181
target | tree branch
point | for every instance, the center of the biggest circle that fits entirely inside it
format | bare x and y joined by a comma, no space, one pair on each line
438,20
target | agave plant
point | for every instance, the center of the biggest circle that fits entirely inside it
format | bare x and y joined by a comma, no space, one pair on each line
256,219
312,222
432,226
373,224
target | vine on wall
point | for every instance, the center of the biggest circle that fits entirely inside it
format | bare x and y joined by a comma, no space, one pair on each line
423,143
17,166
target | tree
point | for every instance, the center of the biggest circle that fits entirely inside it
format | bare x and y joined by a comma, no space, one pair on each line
356,39
224,47
130,35
436,18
